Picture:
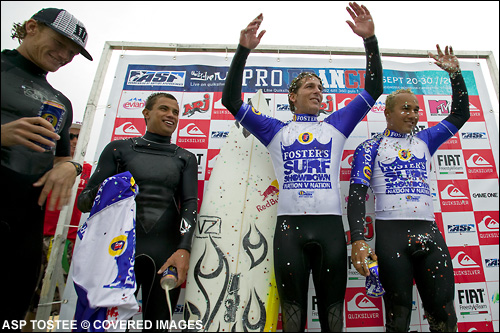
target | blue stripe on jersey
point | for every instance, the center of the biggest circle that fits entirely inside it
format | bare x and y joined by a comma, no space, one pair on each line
364,159
435,136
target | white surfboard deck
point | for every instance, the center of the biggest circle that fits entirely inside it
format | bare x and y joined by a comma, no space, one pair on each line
230,284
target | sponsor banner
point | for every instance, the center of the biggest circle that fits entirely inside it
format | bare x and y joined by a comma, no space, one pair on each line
460,229
211,159
467,264
450,164
480,164
463,179
487,226
494,298
484,194
473,135
490,257
454,195
361,310
471,302
128,128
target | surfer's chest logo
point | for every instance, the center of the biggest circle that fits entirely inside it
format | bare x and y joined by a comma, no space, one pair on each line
404,154
305,138
307,163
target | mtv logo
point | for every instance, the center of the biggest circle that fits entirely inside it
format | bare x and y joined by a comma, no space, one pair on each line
442,107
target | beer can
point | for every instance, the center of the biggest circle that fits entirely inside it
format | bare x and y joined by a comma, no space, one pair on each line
53,112
169,278
373,285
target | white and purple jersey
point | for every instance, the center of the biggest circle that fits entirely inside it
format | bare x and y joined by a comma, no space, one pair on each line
396,167
306,154
103,261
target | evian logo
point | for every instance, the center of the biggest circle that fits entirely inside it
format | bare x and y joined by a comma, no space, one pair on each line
452,192
361,302
127,128
191,130
379,107
488,224
134,103
477,161
463,260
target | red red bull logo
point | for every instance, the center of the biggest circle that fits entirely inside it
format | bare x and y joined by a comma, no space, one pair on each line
271,191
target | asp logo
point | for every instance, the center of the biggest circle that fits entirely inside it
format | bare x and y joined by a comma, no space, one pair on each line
156,78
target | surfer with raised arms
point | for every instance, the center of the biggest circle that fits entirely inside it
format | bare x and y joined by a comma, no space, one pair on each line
396,165
306,155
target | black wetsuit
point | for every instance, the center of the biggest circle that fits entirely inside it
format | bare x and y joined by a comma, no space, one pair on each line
24,89
408,242
167,176
308,242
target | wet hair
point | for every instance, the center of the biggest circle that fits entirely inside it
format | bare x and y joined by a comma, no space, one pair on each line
18,30
390,100
297,83
151,100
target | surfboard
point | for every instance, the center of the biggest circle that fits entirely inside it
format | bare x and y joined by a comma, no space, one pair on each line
230,284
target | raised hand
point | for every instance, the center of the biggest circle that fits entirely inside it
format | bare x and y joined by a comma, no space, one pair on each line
249,37
363,25
447,61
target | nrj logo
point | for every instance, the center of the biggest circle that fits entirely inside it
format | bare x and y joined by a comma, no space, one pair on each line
451,192
361,302
463,260
191,130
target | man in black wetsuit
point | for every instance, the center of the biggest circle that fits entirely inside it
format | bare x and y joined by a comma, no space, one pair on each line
309,232
409,245
49,40
167,176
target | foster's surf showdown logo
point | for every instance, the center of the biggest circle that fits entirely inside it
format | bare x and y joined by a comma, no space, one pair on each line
306,164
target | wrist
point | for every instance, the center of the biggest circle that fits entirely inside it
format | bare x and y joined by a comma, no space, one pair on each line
78,167
454,74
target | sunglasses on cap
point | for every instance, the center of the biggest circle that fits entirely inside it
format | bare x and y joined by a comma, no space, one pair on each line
72,136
